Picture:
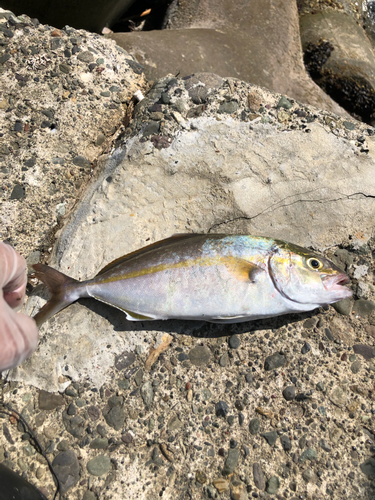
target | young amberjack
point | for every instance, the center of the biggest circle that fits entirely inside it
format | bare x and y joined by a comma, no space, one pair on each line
216,277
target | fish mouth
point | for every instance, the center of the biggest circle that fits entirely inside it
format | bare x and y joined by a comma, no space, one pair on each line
336,283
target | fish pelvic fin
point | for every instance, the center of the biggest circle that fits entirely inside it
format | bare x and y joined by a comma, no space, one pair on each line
60,286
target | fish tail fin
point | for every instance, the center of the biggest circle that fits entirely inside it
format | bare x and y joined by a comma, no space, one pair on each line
61,288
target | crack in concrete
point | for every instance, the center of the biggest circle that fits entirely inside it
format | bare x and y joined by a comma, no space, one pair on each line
277,205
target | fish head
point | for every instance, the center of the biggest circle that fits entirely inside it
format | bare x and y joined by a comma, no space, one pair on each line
306,277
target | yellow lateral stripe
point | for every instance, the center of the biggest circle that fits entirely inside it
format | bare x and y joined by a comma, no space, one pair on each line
230,262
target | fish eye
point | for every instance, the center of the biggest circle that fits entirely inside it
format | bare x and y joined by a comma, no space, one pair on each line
314,263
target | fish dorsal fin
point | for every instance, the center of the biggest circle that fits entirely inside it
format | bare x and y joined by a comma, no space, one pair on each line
242,269
153,246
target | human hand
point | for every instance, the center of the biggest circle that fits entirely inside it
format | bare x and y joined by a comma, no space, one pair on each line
18,332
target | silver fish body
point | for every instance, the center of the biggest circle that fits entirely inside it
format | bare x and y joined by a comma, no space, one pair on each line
219,278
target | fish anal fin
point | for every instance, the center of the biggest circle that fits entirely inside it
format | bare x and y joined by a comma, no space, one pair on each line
130,315
242,269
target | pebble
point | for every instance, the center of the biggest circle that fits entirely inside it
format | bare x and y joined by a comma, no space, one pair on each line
363,307
254,426
147,393
228,107
234,342
231,461
308,475
86,56
365,351
81,161
124,360
99,444
356,367
221,484
284,103
368,467
224,359
99,465
343,307
338,396
308,454
174,423
18,192
285,442
273,484
306,348
270,437
67,469
324,445
221,409
200,356
115,418
74,425
72,409
320,386
89,495
138,377
289,392
127,438
238,490
274,361
259,479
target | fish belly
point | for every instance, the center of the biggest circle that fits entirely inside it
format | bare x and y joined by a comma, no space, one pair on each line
208,293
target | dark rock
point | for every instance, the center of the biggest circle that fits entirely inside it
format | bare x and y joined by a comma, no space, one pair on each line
285,442
343,307
324,445
200,356
273,484
221,409
115,401
365,351
329,335
86,56
99,465
274,361
147,393
224,359
182,356
306,348
64,68
363,307
308,454
93,412
124,360
228,107
249,378
231,461
355,367
18,192
50,401
81,161
254,426
74,425
368,467
289,392
284,103
259,479
127,438
234,342
115,418
30,162
310,323
99,443
72,409
270,437
151,128
66,466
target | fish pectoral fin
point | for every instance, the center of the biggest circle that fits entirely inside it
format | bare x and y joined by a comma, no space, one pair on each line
242,269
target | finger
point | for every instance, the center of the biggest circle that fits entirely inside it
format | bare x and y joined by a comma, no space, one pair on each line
12,275
18,336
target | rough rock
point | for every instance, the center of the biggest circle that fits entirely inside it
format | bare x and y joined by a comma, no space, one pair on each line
67,469
52,112
92,15
246,181
231,40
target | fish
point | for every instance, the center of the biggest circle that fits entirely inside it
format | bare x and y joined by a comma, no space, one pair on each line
218,278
